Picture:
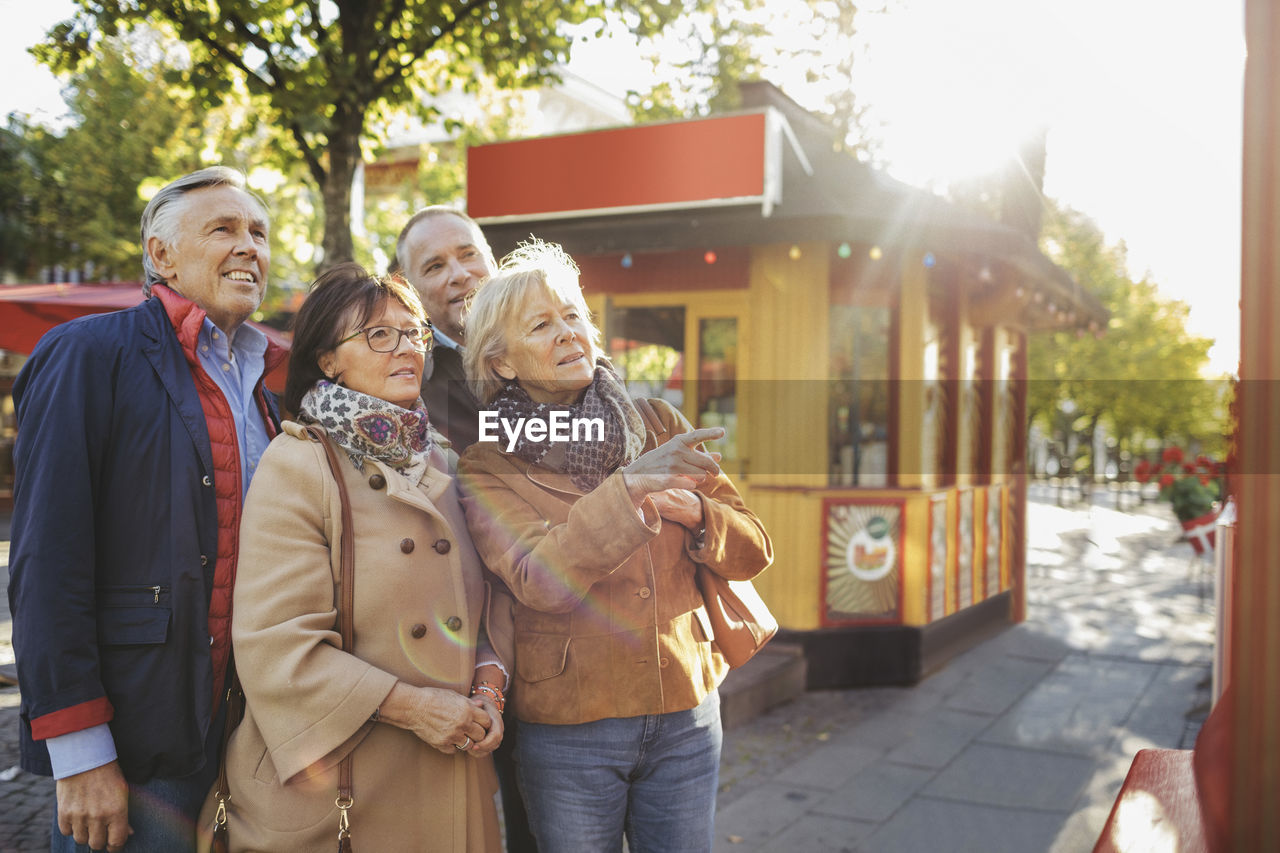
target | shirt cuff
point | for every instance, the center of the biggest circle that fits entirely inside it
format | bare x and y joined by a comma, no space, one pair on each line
77,752
485,660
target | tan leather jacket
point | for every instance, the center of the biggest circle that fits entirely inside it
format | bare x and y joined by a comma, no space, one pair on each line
609,621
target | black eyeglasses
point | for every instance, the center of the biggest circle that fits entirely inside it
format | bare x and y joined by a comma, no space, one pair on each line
387,338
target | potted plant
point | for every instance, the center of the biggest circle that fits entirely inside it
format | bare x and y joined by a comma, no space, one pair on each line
1191,488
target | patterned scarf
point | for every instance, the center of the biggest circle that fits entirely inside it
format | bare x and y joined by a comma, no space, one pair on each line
587,463
364,426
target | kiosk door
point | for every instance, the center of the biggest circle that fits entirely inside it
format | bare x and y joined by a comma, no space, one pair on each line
686,351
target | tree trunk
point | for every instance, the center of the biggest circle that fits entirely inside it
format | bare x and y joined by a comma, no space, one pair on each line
1087,475
343,154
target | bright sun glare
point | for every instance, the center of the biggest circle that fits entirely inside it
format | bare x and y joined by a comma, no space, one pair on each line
942,78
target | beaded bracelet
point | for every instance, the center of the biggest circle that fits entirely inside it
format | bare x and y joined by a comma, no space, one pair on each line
493,691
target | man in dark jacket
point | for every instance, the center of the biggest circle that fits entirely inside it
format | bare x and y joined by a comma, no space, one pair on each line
138,432
444,255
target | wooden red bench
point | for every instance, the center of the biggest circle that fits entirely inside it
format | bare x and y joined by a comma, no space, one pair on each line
1158,807
1175,799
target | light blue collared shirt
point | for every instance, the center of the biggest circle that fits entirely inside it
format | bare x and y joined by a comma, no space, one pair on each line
235,366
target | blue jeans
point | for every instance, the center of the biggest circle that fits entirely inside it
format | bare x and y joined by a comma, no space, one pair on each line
652,777
162,812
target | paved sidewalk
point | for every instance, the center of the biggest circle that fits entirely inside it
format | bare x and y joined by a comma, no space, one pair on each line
26,801
1018,745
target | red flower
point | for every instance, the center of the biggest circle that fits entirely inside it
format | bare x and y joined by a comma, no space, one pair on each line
1142,471
1188,469
1166,481
1172,455
1205,479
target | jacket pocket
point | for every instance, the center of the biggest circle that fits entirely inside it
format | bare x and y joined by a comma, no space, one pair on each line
541,656
133,615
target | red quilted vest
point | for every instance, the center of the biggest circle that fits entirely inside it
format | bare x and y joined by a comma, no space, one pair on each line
188,320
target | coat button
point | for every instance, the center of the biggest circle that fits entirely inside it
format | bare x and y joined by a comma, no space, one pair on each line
418,631
664,662
644,592
377,481
207,480
204,561
442,546
454,624
406,545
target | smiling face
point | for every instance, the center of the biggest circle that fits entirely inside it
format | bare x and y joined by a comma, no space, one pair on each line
218,254
549,350
392,376
445,259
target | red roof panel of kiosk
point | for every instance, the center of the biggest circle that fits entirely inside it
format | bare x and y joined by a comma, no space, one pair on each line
678,164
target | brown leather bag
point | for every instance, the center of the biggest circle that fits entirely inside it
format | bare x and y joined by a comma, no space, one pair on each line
740,620
741,623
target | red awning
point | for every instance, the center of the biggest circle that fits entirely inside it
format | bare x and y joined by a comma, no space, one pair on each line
27,311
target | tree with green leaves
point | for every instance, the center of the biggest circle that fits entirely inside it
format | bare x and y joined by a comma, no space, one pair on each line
74,193
1141,379
125,118
704,55
319,72
17,187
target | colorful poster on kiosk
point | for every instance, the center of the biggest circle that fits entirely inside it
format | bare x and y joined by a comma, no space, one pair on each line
863,571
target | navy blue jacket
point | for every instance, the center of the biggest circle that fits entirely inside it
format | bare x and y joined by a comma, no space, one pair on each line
114,542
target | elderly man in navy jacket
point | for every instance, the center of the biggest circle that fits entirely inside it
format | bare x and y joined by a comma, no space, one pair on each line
138,432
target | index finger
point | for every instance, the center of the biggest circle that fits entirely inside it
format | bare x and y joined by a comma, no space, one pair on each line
479,715
697,436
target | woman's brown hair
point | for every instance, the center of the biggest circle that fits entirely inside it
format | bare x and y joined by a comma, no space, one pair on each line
340,294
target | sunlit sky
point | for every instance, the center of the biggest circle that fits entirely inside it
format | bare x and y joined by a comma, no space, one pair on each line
1142,99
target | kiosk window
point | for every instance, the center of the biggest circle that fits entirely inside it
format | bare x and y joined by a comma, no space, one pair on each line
859,407
647,347
718,380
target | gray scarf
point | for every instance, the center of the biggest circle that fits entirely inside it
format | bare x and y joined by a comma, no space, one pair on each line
587,463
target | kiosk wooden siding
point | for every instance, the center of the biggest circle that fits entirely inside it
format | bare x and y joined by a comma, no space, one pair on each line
894,496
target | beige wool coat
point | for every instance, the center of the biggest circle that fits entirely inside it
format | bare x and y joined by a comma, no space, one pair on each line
609,620
419,600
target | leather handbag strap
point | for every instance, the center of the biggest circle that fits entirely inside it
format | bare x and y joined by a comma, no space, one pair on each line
346,600
234,712
346,544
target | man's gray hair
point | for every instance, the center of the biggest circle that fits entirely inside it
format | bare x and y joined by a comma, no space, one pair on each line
160,219
402,263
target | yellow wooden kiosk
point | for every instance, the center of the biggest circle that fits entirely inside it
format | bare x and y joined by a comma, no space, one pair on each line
862,342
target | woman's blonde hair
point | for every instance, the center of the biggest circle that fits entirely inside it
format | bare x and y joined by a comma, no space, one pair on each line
533,267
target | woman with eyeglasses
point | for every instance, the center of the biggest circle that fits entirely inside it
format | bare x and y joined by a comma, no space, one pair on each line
417,700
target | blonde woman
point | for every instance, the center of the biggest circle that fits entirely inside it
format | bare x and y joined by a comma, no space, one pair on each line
598,539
